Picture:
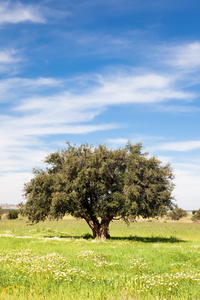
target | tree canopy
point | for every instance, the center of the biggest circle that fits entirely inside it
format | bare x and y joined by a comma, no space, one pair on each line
99,185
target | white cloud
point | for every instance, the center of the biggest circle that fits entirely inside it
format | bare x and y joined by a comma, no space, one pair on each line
146,88
180,109
118,141
17,12
19,88
8,57
179,146
136,139
111,90
185,56
9,61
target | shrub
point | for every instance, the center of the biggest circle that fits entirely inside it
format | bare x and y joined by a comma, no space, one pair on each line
196,216
177,213
12,214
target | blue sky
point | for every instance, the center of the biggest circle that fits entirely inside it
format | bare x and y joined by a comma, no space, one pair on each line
100,72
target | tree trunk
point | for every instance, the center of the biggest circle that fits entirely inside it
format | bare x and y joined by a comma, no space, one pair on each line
104,228
100,230
103,232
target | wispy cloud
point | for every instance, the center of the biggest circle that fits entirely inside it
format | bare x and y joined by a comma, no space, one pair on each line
8,56
178,109
106,90
17,13
185,56
69,107
9,61
53,114
179,146
138,138
16,88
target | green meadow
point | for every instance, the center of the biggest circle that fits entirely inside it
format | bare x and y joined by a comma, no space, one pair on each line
60,260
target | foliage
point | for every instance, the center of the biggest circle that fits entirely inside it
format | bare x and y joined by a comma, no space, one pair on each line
12,214
99,184
177,213
196,216
20,207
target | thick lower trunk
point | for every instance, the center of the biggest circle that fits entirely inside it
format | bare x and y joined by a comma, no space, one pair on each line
103,232
100,230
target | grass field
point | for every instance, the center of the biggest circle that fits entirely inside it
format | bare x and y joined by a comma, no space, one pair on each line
59,260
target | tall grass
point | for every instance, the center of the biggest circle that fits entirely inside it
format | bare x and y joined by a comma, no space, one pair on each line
58,260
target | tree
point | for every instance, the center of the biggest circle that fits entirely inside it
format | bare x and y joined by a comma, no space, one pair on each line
177,213
99,185
12,214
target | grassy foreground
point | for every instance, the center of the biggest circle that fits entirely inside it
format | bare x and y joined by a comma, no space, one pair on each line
58,260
